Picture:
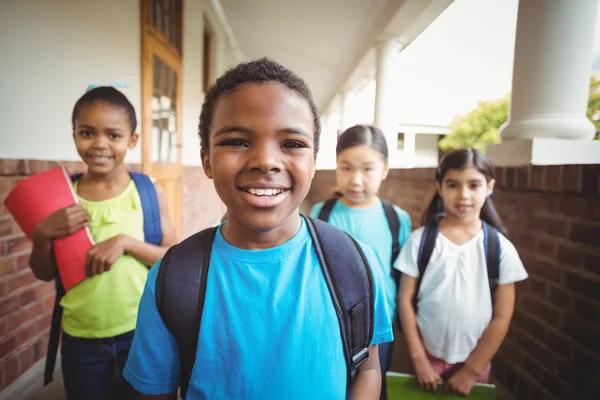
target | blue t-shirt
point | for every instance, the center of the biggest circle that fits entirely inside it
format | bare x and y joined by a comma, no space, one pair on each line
269,329
370,226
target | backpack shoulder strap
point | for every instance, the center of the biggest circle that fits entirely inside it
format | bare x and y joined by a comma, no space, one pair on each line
180,292
491,245
426,247
75,177
54,338
394,223
350,282
150,208
326,210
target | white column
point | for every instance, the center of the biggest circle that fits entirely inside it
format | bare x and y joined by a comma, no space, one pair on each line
551,78
386,116
344,117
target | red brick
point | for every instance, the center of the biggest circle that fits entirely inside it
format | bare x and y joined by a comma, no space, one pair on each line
12,167
7,306
585,362
590,180
7,347
571,178
592,263
25,315
541,268
537,177
3,210
538,352
584,333
558,344
541,310
561,299
11,371
23,262
538,287
587,310
18,245
585,233
553,384
573,206
6,185
7,266
582,285
45,289
526,241
27,297
6,226
35,166
21,280
26,334
524,177
3,289
547,247
3,250
553,177
26,359
44,322
511,178
528,324
549,225
569,256
40,348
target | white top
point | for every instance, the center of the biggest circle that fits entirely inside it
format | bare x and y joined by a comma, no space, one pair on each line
454,300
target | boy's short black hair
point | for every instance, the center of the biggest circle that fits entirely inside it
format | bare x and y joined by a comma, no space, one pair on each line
263,70
106,94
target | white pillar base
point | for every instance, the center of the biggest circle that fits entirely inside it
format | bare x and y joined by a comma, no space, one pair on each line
560,126
544,151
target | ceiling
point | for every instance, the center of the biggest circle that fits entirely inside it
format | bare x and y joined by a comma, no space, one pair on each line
323,41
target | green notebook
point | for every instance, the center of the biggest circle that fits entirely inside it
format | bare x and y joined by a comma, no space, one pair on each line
406,387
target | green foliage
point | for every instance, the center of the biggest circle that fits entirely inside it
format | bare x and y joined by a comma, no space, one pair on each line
480,127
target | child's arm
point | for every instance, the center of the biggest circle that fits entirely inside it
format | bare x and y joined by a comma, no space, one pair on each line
102,256
367,382
61,223
427,377
504,302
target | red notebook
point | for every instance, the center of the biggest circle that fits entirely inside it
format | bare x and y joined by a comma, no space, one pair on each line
40,195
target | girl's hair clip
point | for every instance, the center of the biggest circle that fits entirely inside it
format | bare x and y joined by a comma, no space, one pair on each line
114,84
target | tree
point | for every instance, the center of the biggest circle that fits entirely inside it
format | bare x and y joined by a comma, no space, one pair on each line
480,127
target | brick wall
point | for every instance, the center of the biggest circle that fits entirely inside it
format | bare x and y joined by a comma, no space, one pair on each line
202,207
26,303
553,217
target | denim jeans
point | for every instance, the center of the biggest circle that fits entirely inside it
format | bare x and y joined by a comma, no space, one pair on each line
93,368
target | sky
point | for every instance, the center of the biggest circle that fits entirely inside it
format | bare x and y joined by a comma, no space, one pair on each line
464,56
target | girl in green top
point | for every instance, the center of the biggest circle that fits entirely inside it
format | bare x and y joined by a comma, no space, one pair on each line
99,314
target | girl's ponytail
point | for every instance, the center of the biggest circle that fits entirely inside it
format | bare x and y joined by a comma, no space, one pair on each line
436,207
489,215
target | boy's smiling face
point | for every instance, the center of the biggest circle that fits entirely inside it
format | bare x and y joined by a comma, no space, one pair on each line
262,156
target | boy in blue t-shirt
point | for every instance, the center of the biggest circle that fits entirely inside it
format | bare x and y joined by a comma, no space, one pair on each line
269,328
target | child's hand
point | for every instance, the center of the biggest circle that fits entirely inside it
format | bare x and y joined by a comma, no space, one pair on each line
426,375
63,222
462,382
102,256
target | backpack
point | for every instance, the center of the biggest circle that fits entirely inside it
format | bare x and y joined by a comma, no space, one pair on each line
152,235
181,288
491,245
394,225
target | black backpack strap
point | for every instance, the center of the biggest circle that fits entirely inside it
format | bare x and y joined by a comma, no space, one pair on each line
180,293
394,223
54,339
326,210
426,247
491,245
350,282
150,208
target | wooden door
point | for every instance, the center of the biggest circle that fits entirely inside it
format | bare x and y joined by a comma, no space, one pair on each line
162,99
